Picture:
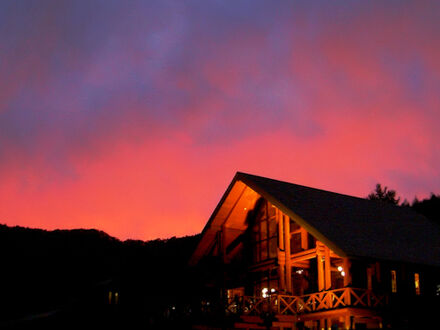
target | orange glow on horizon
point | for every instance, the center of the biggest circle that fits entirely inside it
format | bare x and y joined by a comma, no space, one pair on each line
134,121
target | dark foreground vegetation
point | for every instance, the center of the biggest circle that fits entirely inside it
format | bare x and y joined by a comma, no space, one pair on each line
86,278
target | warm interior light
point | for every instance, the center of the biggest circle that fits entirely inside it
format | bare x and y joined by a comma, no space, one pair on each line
245,208
393,281
417,283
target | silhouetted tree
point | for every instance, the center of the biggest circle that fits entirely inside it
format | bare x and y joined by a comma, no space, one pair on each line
384,194
430,208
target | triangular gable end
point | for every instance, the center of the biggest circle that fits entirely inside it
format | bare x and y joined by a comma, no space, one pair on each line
289,212
231,211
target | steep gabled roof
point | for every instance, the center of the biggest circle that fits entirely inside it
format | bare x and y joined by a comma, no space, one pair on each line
350,226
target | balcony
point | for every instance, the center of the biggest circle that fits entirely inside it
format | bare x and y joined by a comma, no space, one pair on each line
310,303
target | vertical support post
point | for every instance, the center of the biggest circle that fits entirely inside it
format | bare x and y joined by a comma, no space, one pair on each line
287,253
320,268
346,264
304,239
369,278
327,269
281,250
347,322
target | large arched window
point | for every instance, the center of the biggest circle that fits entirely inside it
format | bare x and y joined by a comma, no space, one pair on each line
264,232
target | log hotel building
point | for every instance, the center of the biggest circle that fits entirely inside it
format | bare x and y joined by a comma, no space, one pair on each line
295,257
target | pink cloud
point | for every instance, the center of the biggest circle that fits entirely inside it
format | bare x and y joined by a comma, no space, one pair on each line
139,134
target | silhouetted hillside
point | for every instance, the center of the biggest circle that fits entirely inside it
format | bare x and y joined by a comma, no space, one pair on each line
66,272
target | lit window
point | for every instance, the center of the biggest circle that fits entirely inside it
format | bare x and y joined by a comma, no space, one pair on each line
393,281
264,232
417,283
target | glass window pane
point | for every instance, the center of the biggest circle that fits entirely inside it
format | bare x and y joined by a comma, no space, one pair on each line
263,229
295,243
293,225
263,250
272,228
256,252
312,241
262,212
270,210
256,232
273,248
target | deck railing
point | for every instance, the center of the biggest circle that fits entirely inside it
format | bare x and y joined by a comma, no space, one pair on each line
318,301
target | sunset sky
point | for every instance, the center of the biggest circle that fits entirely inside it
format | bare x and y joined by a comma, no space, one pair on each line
132,117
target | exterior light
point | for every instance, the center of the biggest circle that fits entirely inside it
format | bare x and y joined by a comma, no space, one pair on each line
272,290
343,273
264,292
340,269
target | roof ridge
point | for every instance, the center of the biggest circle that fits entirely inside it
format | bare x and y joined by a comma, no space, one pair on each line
307,187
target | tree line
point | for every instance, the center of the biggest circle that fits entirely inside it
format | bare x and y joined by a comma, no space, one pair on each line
429,207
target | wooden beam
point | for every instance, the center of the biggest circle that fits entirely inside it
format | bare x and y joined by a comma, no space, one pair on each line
320,271
320,247
304,239
303,255
287,253
281,250
346,264
301,264
327,270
